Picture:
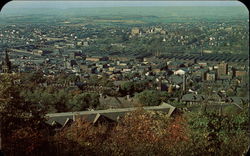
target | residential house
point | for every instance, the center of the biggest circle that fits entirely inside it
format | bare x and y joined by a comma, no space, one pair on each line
191,99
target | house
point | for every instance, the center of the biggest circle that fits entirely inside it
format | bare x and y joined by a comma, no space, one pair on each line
181,71
192,98
103,116
175,65
216,98
116,102
93,59
175,79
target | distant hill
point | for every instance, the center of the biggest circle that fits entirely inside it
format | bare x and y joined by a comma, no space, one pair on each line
147,14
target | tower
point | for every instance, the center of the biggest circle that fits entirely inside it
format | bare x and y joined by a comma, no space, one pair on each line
6,64
222,69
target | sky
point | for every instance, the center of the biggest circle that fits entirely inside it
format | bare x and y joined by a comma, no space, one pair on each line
82,4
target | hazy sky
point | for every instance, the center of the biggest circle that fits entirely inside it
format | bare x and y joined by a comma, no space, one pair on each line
81,4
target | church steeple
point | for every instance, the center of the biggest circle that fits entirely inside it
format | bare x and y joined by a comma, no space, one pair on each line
6,64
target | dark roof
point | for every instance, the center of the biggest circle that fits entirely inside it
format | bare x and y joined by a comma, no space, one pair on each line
109,114
175,63
176,79
192,98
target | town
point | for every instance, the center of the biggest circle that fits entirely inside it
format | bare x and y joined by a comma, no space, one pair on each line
189,77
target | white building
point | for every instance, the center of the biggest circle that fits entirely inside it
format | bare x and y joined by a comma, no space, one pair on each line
180,72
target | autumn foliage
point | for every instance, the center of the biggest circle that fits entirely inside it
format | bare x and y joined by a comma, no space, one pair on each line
139,132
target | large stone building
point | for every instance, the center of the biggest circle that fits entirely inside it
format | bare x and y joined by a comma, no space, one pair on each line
135,31
222,70
211,76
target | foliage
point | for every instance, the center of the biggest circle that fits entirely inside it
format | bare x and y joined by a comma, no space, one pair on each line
26,140
128,87
102,81
148,133
218,134
138,133
153,133
151,97
14,108
16,113
83,101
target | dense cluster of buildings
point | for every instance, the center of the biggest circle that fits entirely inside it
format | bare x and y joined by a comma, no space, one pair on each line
192,78
78,50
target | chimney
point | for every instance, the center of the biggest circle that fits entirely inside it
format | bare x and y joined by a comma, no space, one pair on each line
184,83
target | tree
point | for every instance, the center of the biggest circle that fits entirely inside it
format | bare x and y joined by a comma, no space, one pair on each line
151,97
138,133
214,134
61,99
28,141
140,86
72,78
35,77
15,111
83,101
127,87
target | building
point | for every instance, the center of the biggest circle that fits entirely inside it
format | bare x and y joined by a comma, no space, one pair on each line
191,99
180,71
222,69
135,31
201,73
6,64
240,73
211,76
175,65
97,58
93,59
37,52
111,115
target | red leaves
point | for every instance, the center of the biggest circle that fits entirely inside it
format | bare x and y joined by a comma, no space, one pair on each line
178,129
138,129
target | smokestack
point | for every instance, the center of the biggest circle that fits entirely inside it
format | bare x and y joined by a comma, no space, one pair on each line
184,83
